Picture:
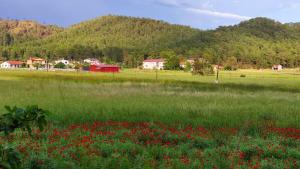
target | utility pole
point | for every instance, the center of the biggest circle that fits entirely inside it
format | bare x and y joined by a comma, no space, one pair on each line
217,78
156,71
47,65
218,71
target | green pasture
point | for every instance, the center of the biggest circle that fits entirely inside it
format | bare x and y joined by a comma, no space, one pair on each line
173,97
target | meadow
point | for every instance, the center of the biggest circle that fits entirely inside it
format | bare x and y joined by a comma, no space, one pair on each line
168,119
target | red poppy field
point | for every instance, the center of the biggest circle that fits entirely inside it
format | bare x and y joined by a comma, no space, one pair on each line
114,144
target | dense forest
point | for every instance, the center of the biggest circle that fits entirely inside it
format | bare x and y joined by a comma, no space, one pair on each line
257,43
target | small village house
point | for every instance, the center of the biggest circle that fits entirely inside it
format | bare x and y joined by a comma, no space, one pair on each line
11,64
153,64
277,67
32,61
64,61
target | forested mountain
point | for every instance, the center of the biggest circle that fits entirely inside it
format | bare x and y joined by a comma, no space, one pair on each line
259,42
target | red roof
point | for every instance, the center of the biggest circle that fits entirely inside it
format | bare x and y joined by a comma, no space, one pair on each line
15,62
36,59
154,60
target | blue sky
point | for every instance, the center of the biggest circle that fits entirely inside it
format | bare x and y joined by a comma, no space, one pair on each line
203,14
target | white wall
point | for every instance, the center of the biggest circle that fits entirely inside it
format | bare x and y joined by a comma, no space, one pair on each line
153,65
5,65
66,62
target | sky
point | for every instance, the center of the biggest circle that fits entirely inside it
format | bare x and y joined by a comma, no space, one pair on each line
203,14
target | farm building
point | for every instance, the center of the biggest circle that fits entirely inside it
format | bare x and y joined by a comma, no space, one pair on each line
11,64
105,68
277,67
64,61
34,60
154,64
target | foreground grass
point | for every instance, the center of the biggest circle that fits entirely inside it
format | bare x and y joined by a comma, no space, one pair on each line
249,106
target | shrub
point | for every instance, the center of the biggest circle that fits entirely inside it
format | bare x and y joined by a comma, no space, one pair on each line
202,68
9,158
188,67
18,118
243,75
230,68
60,65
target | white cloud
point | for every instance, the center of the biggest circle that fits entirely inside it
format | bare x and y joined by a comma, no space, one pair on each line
206,8
218,14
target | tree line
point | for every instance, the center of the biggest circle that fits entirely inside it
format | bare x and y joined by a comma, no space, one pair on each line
257,43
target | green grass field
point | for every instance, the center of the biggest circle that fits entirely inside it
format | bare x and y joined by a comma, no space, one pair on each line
250,105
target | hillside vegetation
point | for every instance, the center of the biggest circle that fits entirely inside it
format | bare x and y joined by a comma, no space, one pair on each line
259,42
14,31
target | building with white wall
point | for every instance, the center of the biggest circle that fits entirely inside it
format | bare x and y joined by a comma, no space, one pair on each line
64,61
154,64
11,64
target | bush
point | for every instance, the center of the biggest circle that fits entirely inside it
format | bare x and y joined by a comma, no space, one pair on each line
9,158
243,75
188,67
18,118
230,68
60,65
202,67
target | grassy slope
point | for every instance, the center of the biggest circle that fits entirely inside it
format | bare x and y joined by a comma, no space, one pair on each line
176,97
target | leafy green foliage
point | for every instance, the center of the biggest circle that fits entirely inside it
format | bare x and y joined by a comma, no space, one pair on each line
18,118
9,158
60,65
202,67
173,63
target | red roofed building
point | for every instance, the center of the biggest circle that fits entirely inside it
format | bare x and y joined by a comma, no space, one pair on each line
35,60
154,64
11,64
104,68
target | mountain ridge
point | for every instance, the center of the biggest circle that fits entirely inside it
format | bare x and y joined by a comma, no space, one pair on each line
259,42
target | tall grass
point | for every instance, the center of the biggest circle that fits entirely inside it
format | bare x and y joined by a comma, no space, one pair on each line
176,98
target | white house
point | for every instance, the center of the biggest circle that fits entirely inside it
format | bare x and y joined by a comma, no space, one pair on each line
11,64
277,67
154,64
92,61
66,62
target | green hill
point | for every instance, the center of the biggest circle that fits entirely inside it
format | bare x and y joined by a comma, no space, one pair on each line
15,31
259,42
